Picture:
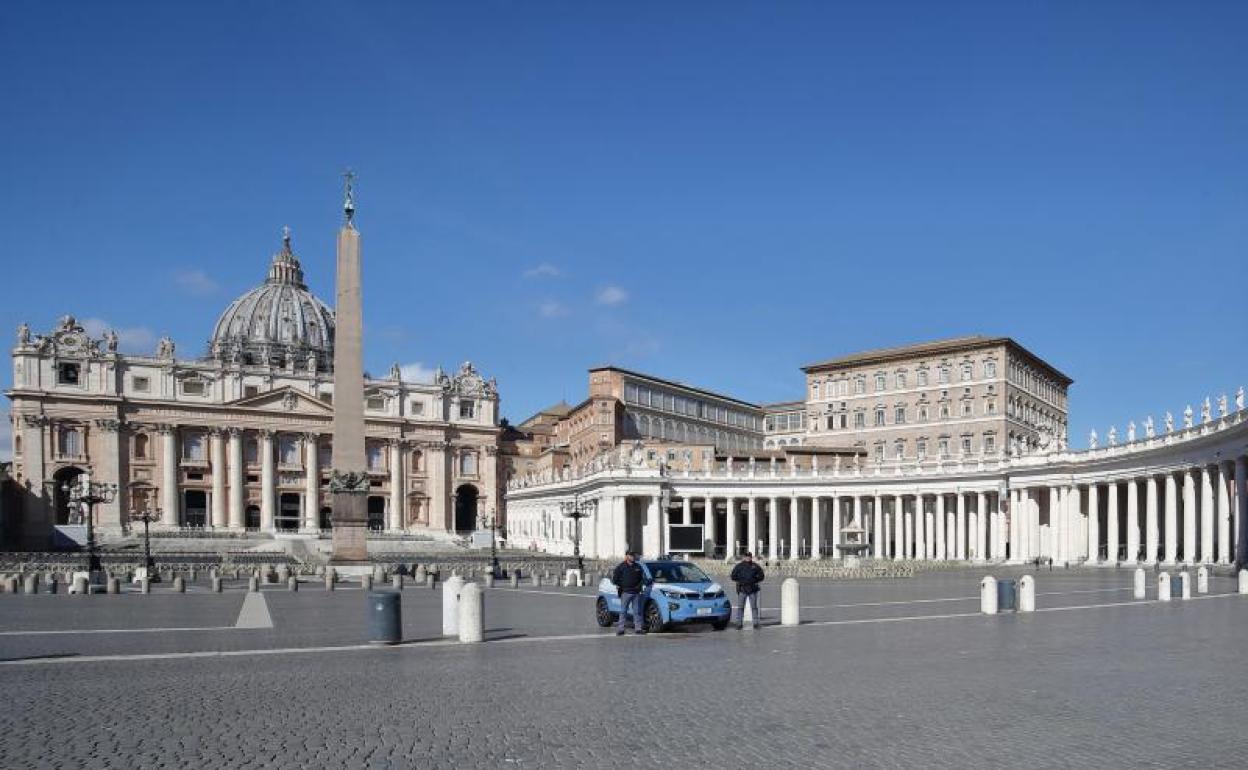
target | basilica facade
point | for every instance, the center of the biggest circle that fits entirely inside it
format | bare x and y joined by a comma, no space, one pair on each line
239,438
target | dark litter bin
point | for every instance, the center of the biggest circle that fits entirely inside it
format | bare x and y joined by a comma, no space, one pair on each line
385,617
1007,595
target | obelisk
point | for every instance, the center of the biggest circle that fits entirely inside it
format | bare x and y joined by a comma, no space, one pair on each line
348,482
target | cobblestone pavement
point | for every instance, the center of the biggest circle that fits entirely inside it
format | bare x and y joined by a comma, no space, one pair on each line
1116,685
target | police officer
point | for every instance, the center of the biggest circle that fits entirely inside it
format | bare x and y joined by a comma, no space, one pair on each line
629,581
747,575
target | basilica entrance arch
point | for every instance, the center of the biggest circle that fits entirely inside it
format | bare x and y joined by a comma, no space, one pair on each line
376,512
67,476
466,508
251,517
195,508
289,507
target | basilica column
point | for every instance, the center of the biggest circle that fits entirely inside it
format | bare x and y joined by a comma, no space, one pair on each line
169,476
941,553
773,528
1150,520
959,545
751,526
1190,552
1133,521
1094,514
109,464
877,537
1240,530
981,526
395,514
730,528
816,528
920,526
311,483
216,453
1111,524
268,481
235,441
795,526
1171,547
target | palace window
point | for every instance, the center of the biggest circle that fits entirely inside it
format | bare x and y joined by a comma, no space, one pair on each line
251,390
860,419
922,378
879,417
467,409
944,411
966,445
899,450
943,446
193,387
943,374
860,386
193,447
326,396
69,442
990,369
966,372
966,408
879,382
992,407
879,453
901,380
141,384
921,448
899,415
843,387
844,421
630,393
375,403
990,444
923,413
68,374
324,454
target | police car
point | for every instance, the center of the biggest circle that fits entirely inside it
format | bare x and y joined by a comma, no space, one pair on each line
676,592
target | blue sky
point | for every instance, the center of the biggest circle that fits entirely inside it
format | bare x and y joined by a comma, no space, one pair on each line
712,192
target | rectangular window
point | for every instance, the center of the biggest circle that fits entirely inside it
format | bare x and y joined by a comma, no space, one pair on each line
251,451
326,396
860,419
944,411
375,403
966,408
990,444
966,446
831,422
992,407
250,390
899,451
141,384
468,464
879,417
921,449
922,378
376,457
966,372
879,453
990,369
860,386
68,374
467,409
843,388
630,393
844,421
193,447
944,447
879,382
899,415
901,380
944,375
418,407
71,442
192,387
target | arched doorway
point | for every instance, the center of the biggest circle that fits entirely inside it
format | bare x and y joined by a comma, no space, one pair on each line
327,518
67,476
251,517
288,508
195,508
466,508
376,512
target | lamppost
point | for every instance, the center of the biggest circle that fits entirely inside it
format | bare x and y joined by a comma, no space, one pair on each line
491,521
147,516
576,509
90,493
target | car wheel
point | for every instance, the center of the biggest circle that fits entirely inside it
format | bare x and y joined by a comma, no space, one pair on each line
654,619
719,625
602,614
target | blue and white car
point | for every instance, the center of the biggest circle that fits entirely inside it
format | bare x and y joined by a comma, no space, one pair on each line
675,592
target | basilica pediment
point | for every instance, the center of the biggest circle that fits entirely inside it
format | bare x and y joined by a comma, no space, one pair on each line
286,399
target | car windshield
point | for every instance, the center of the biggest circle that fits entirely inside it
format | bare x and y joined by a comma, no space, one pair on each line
676,572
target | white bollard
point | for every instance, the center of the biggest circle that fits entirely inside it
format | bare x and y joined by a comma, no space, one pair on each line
1026,594
1185,584
573,578
1140,591
489,580
450,605
1163,586
1202,580
988,595
747,613
1243,581
471,614
790,609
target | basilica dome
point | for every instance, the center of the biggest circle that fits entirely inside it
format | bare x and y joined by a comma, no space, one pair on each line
278,323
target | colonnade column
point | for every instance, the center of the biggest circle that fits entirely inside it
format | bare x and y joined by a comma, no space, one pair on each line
877,537
216,455
1240,530
236,518
959,549
940,528
730,528
1150,520
1222,478
981,526
773,528
795,526
1015,525
1189,516
1206,515
920,521
169,475
1056,550
834,520
1171,547
686,510
708,522
816,528
751,526
1133,521
619,524
1111,524
267,480
1094,524
899,528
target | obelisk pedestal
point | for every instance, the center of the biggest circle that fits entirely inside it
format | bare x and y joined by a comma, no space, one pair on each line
348,484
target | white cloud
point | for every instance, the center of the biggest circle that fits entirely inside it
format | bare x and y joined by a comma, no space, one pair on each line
415,372
543,270
551,309
138,339
196,282
611,295
6,437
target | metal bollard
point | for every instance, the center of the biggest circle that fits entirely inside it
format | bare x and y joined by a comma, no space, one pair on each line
450,605
489,580
433,580
253,584
145,586
385,617
790,609
179,585
1202,580
988,595
1163,586
396,582
366,582
1243,581
216,584
1139,591
1185,585
113,586
471,615
32,584
1027,594
292,583
515,580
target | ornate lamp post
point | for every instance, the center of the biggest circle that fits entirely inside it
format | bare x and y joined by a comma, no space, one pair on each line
577,509
147,516
490,521
90,493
